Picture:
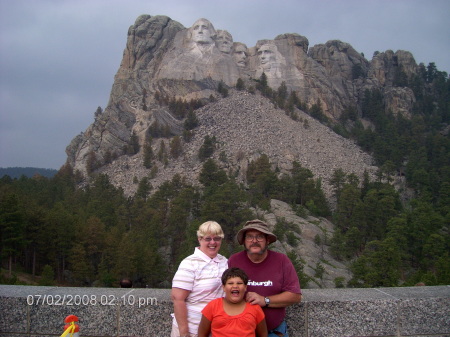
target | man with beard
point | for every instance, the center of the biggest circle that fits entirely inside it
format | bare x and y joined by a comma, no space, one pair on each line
273,282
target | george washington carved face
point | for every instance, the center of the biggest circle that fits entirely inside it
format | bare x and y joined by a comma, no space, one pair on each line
202,32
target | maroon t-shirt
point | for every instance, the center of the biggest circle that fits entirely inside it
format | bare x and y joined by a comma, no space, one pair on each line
274,275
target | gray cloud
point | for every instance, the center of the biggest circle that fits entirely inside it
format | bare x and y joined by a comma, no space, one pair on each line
58,58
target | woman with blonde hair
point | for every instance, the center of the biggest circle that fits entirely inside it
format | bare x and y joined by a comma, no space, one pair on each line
198,280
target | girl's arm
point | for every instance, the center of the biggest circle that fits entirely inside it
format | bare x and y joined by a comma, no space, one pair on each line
261,329
204,328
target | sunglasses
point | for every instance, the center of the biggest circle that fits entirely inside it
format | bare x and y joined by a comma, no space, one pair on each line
216,239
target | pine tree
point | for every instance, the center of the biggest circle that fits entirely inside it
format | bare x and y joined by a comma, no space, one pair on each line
378,266
91,163
98,112
226,203
133,146
299,267
47,276
263,81
11,228
211,174
191,121
144,188
337,181
162,151
240,84
176,148
95,242
82,272
282,94
148,153
127,257
222,89
207,149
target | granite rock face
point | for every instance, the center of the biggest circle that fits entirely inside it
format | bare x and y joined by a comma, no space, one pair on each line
314,235
163,57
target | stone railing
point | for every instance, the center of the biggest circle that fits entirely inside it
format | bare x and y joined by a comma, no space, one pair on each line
40,311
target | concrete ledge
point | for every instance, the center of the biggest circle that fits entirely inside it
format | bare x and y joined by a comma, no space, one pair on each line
40,311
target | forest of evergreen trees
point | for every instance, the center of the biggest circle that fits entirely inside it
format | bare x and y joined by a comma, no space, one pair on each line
17,172
95,236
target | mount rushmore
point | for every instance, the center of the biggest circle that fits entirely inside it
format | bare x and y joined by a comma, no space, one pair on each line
163,58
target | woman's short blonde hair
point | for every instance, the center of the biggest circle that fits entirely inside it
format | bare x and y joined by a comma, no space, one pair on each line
210,227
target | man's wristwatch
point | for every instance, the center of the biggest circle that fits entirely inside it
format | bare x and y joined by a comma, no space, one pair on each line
267,300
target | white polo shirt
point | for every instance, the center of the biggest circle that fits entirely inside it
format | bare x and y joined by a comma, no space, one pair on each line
201,275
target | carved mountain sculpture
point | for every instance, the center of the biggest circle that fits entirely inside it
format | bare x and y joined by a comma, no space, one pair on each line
162,58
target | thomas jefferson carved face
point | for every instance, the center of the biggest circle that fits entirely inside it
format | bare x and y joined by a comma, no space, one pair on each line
267,55
240,54
202,31
224,41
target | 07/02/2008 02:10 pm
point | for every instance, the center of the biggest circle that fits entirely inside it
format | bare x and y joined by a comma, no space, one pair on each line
77,300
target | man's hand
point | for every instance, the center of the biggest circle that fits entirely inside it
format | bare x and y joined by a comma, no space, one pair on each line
255,299
281,300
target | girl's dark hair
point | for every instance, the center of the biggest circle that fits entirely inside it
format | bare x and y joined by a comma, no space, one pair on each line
234,272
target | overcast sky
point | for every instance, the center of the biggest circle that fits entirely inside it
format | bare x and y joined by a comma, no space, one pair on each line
58,58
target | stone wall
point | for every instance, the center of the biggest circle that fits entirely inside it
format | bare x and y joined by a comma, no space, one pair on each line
40,311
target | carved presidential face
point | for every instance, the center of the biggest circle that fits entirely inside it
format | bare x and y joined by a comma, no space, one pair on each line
202,31
267,55
240,55
224,41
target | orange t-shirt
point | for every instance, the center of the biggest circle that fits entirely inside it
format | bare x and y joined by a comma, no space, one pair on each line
224,325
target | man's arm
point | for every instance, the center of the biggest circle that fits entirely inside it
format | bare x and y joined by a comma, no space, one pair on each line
281,300
180,310
204,327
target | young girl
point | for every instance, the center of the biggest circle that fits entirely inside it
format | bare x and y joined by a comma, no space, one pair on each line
231,316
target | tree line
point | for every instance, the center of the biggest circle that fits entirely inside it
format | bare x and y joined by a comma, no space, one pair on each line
97,235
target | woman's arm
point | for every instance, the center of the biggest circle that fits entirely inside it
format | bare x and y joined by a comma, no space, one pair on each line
180,310
261,329
204,328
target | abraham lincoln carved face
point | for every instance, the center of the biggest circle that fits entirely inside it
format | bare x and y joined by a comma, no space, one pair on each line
267,55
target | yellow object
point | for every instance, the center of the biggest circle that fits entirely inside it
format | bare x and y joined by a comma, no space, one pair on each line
70,330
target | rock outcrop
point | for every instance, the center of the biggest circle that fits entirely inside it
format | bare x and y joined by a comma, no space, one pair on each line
313,236
164,58
245,126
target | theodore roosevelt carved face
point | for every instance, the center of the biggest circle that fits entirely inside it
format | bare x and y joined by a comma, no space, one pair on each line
224,41
240,54
202,32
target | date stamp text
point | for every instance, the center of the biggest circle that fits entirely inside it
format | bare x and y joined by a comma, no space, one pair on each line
78,300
